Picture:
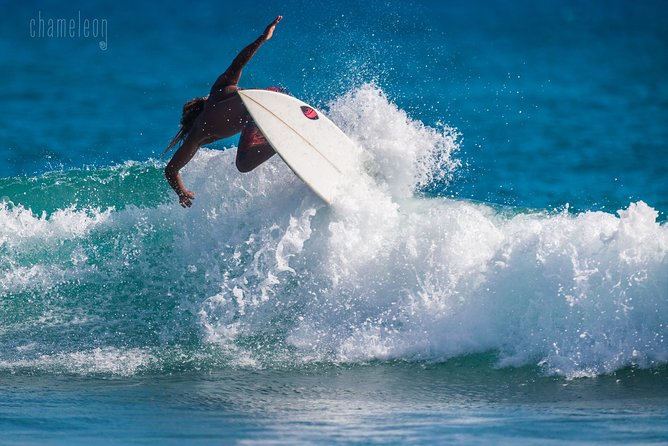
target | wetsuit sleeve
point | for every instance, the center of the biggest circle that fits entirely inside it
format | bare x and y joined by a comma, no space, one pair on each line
233,73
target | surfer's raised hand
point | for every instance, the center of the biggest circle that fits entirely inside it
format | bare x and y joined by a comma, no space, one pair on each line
269,31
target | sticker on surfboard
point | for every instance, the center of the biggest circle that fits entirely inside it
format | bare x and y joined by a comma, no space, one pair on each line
309,112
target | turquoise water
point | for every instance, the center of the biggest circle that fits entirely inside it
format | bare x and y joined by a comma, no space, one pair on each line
499,274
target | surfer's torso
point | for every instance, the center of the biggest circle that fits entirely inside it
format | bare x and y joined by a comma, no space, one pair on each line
224,115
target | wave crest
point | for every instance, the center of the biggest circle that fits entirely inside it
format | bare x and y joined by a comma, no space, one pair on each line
261,272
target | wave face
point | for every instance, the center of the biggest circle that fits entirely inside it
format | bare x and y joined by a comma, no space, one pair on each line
102,272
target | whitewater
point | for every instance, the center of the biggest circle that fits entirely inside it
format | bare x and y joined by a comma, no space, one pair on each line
101,272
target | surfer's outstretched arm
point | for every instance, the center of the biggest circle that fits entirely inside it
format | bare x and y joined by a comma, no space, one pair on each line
180,159
233,73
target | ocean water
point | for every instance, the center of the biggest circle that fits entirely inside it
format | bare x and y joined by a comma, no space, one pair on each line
498,272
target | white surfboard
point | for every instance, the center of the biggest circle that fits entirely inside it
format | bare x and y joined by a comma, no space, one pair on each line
316,150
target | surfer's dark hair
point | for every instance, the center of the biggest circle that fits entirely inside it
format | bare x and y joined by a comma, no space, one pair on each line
191,111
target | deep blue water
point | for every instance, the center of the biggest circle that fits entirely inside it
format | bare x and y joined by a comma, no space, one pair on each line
502,276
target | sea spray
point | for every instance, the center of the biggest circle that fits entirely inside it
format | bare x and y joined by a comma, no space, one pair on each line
403,154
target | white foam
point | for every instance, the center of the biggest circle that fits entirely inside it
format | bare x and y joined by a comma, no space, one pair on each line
384,276
402,153
112,361
18,225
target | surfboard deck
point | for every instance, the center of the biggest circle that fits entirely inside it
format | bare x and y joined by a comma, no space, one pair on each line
312,146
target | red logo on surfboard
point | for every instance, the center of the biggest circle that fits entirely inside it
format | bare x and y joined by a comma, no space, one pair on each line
309,112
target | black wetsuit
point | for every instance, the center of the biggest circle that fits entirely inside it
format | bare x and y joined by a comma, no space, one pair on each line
225,115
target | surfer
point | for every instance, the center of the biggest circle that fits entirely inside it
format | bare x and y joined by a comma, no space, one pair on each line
219,115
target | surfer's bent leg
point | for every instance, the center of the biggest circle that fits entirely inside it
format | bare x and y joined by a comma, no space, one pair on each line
248,158
253,146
